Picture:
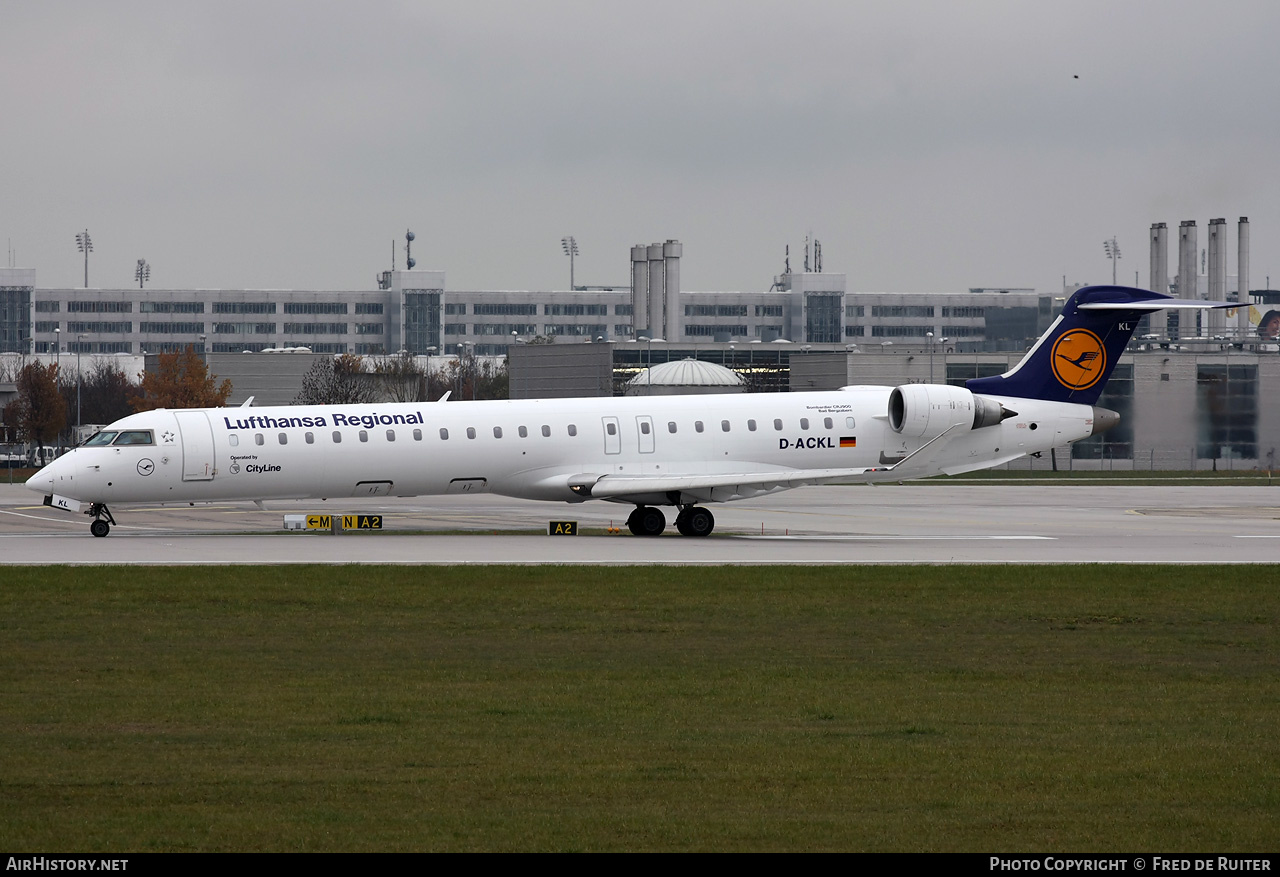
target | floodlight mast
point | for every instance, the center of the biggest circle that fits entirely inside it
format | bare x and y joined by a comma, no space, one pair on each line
1112,249
570,249
85,244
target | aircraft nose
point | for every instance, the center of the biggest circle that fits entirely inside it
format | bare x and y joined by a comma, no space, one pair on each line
44,480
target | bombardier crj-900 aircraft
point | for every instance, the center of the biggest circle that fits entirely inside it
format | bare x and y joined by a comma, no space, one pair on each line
681,451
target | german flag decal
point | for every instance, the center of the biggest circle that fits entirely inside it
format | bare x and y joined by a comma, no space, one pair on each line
848,441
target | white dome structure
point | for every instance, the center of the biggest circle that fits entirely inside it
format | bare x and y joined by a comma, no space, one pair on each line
685,376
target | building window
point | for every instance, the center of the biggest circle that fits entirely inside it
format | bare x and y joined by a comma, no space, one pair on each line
244,307
822,318
1226,409
315,307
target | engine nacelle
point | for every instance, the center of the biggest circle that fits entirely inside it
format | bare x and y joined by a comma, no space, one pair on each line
929,410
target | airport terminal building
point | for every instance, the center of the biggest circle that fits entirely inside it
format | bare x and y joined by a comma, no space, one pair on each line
413,311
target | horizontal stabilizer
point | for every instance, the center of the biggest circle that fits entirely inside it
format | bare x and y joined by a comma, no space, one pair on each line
1177,304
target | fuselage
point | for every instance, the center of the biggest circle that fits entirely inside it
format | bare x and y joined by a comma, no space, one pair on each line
535,449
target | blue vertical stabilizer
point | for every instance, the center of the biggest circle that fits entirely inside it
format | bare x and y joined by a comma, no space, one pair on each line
1073,360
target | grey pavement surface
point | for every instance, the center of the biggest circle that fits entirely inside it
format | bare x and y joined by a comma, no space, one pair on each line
912,523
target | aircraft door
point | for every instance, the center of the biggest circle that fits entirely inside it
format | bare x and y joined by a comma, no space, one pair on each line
644,433
198,462
612,435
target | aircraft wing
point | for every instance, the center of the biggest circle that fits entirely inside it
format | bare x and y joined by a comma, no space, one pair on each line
737,483
733,485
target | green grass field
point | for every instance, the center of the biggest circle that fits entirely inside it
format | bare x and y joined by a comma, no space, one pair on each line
1086,708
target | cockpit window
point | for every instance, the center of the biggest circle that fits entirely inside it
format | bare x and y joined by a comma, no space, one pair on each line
135,437
101,438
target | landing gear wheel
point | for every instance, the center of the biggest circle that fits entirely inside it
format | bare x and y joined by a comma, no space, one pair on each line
647,521
695,521
102,519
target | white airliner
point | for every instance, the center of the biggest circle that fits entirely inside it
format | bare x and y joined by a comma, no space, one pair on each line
681,451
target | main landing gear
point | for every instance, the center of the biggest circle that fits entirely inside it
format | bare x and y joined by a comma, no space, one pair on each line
102,519
691,521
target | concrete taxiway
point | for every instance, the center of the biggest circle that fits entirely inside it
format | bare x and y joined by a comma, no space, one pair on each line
936,522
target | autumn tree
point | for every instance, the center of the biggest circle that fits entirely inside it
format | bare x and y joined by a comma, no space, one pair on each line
401,379
340,380
39,412
470,377
181,380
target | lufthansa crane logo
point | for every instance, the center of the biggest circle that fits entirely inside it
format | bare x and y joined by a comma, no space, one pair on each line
1078,359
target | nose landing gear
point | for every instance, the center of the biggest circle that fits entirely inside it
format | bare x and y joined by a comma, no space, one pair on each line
102,519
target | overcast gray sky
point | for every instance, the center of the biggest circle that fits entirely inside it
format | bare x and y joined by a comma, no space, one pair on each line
929,146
